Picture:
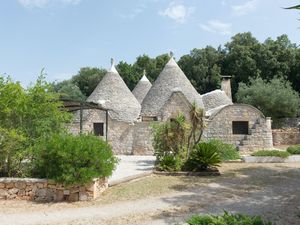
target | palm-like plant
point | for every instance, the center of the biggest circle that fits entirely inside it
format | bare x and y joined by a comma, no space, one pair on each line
205,155
197,127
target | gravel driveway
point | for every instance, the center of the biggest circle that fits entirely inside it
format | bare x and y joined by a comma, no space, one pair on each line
269,190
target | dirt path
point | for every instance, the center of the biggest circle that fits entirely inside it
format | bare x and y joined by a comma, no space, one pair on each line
269,190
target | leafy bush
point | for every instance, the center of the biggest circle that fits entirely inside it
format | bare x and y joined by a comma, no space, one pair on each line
294,149
275,98
70,159
170,163
204,156
227,219
226,151
12,144
275,153
25,116
170,138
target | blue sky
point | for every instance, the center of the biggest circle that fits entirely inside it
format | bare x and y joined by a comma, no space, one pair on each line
64,35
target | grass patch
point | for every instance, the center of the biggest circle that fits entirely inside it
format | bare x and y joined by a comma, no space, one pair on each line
151,186
227,219
274,153
294,149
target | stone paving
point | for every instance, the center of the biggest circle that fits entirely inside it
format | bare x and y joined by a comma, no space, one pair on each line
132,166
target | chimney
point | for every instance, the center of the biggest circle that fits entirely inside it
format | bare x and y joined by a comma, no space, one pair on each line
226,85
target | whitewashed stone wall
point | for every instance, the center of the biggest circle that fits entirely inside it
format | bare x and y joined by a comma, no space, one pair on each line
47,191
219,126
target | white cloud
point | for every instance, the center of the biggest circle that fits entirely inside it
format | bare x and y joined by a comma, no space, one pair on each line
135,12
177,12
245,8
216,26
44,3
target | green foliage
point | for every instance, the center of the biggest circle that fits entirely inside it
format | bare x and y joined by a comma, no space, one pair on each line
170,138
131,74
294,149
227,219
294,7
275,98
275,153
243,57
197,127
87,79
68,90
170,163
71,159
226,151
203,68
12,153
204,156
26,115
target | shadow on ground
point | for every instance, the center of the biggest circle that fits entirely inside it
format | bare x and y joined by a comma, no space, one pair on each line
272,192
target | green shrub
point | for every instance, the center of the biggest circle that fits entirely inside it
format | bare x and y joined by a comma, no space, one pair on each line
275,153
70,159
294,149
204,156
170,163
227,219
226,151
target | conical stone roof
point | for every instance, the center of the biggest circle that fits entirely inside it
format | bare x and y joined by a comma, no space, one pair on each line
141,89
112,93
215,99
170,79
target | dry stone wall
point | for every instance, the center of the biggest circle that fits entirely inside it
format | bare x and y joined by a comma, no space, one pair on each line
43,190
290,136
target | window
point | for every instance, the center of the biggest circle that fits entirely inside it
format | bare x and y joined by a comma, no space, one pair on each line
99,129
149,118
240,127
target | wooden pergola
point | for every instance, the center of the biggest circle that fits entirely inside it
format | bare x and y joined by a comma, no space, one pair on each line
75,105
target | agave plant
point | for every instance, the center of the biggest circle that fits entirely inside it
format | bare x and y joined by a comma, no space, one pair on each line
203,156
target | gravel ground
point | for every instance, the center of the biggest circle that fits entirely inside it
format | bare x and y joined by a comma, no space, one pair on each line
269,190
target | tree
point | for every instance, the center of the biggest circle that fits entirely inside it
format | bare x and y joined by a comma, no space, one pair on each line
275,98
68,90
239,61
25,116
203,68
87,79
129,74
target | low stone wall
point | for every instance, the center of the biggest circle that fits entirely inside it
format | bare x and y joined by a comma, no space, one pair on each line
289,136
47,191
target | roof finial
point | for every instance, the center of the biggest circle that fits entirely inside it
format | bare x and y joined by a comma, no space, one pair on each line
113,68
144,72
112,62
171,54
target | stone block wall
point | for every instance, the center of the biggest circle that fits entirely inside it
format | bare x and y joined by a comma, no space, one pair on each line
290,136
142,139
43,190
219,126
120,134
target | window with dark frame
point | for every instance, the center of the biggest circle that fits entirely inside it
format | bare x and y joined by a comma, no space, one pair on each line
99,129
240,127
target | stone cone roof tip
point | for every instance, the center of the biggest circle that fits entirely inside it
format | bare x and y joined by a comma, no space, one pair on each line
142,88
116,96
171,78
